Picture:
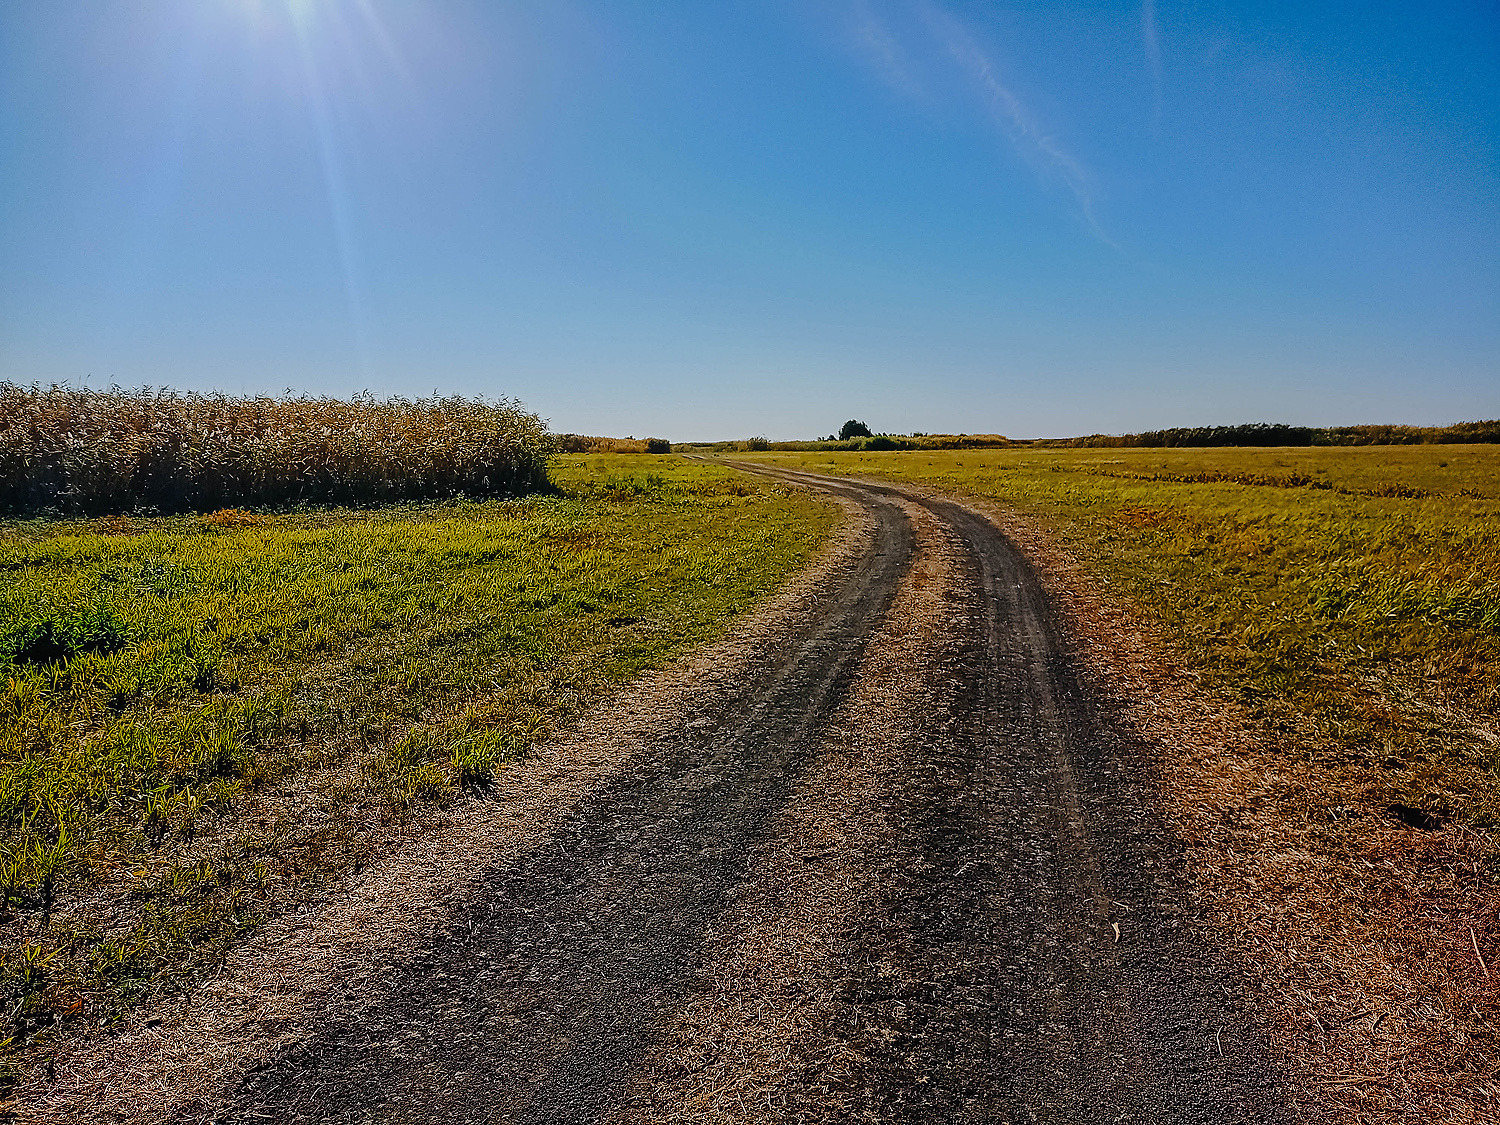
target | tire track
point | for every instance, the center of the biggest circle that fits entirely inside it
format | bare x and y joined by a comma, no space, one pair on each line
756,1041
1033,833
1031,958
1018,950
552,981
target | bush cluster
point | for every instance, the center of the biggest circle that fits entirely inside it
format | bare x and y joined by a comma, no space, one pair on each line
94,452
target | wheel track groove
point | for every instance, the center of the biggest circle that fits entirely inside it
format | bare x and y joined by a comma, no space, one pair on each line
548,985
985,981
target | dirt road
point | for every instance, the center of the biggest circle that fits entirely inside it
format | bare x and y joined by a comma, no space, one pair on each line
904,869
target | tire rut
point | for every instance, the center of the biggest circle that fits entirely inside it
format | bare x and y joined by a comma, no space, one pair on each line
1027,956
548,985
1031,834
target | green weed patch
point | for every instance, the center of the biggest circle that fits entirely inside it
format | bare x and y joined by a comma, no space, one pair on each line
61,635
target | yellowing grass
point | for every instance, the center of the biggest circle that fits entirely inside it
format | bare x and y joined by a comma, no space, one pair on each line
1344,854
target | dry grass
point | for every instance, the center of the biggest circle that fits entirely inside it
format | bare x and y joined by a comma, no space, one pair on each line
92,452
1348,598
1307,638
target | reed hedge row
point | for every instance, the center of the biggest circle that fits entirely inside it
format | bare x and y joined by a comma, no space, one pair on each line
583,443
91,452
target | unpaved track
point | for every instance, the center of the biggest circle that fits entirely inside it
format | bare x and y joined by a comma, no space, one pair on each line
981,976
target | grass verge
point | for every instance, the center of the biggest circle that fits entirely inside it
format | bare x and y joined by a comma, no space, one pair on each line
203,719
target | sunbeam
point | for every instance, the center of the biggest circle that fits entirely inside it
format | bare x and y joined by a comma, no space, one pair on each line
334,61
335,183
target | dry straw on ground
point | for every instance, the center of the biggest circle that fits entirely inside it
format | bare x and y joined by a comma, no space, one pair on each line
742,1049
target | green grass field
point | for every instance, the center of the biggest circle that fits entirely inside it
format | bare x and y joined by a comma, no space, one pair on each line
166,682
1350,596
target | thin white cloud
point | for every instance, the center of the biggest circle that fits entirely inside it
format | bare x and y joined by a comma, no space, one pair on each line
882,50
1152,41
1015,118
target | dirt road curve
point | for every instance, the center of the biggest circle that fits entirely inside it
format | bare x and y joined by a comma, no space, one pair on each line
902,872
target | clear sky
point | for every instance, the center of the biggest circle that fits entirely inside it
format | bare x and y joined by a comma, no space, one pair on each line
719,219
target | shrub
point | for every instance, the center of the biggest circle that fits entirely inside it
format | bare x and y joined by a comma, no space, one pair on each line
582,443
853,429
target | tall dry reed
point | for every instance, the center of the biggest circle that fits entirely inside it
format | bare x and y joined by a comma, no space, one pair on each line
94,452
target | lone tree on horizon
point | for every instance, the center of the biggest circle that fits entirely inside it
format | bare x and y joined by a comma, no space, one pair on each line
853,429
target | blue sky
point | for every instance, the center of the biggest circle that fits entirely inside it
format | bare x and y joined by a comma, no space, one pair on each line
707,220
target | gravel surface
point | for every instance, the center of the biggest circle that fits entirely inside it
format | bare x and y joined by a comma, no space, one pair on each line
900,867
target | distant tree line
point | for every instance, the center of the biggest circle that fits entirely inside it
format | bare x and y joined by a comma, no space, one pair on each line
1267,434
582,443
873,443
